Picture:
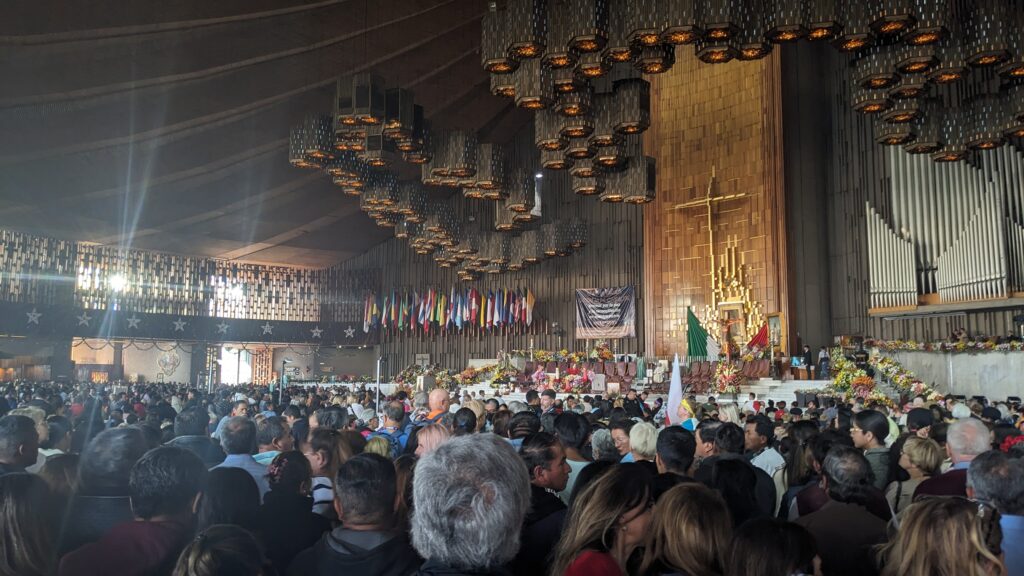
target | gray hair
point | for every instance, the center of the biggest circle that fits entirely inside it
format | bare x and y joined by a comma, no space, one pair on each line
517,406
968,437
998,480
603,446
643,439
420,400
471,496
849,475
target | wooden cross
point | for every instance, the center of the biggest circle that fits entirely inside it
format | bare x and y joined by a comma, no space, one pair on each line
708,200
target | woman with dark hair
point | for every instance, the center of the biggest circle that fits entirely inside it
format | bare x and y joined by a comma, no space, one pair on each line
771,547
736,481
223,550
606,523
405,472
464,423
286,520
620,435
588,474
61,473
28,520
499,423
869,431
230,497
326,452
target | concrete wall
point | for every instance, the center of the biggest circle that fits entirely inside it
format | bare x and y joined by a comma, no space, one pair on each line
357,361
995,375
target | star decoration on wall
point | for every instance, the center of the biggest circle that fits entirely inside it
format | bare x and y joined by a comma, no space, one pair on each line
222,328
33,317
133,322
316,332
350,332
268,328
179,325
84,319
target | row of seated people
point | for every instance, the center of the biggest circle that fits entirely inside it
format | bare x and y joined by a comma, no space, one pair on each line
702,373
623,373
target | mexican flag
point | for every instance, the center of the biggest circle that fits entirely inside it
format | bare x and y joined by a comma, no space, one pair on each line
699,344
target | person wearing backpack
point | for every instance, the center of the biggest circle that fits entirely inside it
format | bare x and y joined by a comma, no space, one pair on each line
394,413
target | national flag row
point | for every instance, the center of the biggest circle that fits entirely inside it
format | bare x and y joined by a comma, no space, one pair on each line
455,310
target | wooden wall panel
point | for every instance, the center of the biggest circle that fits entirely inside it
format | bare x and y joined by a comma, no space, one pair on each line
613,257
727,116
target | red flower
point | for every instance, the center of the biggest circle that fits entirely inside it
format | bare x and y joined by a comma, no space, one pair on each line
1010,441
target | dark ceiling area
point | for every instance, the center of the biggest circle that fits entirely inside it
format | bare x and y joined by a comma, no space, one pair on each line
164,126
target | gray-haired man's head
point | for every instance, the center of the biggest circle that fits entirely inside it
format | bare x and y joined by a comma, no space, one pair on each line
997,479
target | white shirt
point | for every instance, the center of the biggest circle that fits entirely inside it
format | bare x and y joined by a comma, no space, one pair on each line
769,460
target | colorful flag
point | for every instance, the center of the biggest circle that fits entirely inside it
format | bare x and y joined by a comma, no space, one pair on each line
490,309
698,344
474,307
367,310
760,340
529,307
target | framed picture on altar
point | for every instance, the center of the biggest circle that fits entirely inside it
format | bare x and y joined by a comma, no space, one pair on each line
777,332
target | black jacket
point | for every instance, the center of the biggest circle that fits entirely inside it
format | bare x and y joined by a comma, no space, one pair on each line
764,490
203,446
353,553
542,528
288,526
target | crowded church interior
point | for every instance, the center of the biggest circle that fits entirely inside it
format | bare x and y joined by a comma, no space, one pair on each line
512,288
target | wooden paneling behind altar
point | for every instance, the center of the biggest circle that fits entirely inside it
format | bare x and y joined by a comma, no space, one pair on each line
724,119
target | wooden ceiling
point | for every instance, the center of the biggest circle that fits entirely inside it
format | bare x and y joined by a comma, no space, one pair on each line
164,126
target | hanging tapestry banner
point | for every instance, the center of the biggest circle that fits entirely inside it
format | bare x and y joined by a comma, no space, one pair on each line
605,312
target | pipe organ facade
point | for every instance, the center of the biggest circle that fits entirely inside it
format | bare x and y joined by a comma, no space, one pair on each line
963,223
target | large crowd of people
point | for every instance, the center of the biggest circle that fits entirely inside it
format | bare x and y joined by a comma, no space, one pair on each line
164,479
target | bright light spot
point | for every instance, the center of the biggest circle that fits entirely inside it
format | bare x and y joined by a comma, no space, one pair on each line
538,175
236,293
117,282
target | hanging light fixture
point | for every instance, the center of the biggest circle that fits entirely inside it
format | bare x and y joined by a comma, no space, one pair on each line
637,181
406,229
388,220
892,17
343,165
752,37
399,114
856,32
718,19
550,236
951,134
588,25
533,87
604,126
634,113
610,157
588,185
680,21
1014,127
574,127
894,134
533,246
503,85
916,59
952,66
928,137
521,190
643,22
985,123
546,127
592,65
378,151
368,99
987,35
930,25
495,41
555,160
655,59
619,47
490,167
711,51
468,244
441,159
913,86
902,112
1014,66
822,19
785,21
558,53
579,233
566,80
344,113
870,101
412,201
413,142
584,169
574,103
528,20
875,69
462,155
311,143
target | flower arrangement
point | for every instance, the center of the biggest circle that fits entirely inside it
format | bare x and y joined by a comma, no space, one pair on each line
541,355
601,351
862,386
728,378
989,344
